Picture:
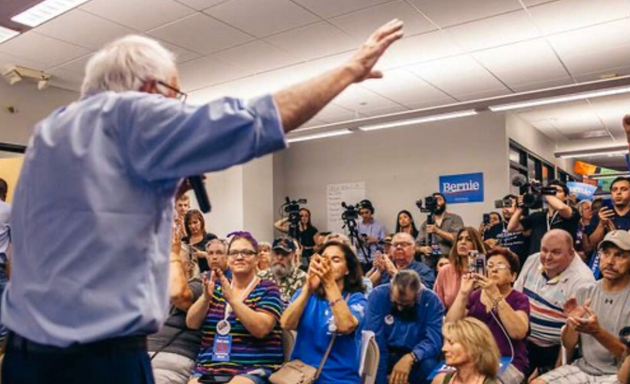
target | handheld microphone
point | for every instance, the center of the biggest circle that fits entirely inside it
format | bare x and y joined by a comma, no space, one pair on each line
196,182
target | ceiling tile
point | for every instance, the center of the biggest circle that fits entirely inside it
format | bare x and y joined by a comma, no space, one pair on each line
452,12
531,3
596,49
77,66
495,31
331,8
312,123
205,71
421,48
360,99
200,5
95,31
536,63
313,41
362,23
383,111
257,56
567,15
7,60
407,89
201,33
66,79
333,113
460,77
42,49
182,55
262,18
140,15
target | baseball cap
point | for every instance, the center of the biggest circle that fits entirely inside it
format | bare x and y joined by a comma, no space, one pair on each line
619,238
283,244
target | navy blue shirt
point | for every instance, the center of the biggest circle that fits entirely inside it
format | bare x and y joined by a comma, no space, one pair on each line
423,336
426,274
621,222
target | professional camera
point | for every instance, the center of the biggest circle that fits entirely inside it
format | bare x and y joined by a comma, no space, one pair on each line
292,208
532,192
351,212
505,203
430,205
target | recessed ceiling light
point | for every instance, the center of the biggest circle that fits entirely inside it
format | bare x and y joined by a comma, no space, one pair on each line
420,120
6,34
45,11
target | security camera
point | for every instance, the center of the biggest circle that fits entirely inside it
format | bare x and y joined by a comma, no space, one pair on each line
16,73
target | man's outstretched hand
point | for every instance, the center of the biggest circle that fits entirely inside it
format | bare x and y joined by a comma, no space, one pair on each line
363,61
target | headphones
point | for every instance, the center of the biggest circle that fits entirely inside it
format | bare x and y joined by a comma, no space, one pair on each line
366,204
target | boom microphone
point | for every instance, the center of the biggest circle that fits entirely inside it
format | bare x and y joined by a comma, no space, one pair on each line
196,182
519,180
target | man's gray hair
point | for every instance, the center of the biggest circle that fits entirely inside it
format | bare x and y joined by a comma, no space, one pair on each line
221,242
407,280
124,64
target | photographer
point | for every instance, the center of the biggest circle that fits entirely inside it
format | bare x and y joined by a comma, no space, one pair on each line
498,234
445,227
306,233
559,215
371,232
614,215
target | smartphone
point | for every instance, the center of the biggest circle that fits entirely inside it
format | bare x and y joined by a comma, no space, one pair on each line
480,264
608,204
486,218
472,260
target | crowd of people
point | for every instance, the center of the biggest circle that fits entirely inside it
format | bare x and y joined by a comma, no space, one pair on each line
526,296
522,318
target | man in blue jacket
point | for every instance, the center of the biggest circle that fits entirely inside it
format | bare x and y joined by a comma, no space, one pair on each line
407,320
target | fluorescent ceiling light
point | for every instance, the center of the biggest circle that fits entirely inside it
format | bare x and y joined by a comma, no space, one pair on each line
45,11
319,135
420,120
594,153
6,34
559,99
606,175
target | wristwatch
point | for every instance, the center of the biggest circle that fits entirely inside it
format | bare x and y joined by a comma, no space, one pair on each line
414,357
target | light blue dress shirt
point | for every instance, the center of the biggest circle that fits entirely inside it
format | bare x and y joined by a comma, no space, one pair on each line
93,208
5,239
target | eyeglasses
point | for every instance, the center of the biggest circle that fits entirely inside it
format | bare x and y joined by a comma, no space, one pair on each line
498,266
404,244
242,252
181,96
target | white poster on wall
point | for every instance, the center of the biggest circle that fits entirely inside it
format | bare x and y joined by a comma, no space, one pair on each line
350,193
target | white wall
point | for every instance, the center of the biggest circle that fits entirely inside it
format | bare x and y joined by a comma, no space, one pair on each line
399,166
535,141
32,105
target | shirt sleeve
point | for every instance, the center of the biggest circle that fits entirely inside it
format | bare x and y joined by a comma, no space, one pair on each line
426,275
438,287
431,342
527,222
456,224
270,302
375,322
164,139
196,288
357,304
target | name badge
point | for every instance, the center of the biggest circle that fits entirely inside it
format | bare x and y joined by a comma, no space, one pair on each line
222,348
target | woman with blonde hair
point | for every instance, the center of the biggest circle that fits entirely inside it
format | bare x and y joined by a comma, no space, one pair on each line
469,348
449,277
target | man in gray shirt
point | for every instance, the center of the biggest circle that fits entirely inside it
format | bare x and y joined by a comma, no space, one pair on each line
444,229
595,317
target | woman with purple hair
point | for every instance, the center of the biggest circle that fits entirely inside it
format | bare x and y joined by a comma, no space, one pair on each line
239,320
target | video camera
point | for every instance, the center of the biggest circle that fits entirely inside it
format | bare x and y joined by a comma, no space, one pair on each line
292,208
504,203
532,191
430,205
351,212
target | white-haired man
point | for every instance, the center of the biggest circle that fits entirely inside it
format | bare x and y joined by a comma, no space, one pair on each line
94,208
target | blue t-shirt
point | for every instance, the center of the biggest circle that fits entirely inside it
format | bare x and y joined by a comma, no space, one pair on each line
313,337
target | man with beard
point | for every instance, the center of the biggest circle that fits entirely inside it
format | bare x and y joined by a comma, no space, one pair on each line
406,319
595,317
283,271
445,228
403,251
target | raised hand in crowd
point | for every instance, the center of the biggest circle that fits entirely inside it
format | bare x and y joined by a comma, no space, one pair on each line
226,287
209,280
312,280
572,309
605,218
587,323
491,294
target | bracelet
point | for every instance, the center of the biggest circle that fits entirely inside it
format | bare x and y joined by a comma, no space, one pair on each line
334,302
414,357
